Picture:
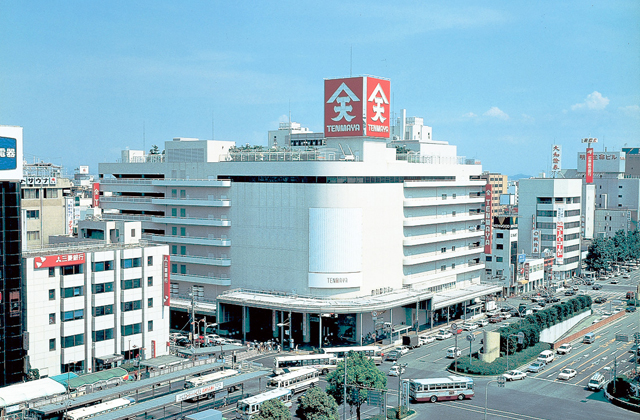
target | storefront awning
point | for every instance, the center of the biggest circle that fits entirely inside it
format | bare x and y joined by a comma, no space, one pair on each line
523,281
110,358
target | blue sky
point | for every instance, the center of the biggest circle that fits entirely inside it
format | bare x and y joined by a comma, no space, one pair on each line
502,80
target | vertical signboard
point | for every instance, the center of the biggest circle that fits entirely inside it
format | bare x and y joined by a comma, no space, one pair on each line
166,279
535,242
560,237
526,271
96,194
556,158
589,168
357,106
487,219
69,215
153,349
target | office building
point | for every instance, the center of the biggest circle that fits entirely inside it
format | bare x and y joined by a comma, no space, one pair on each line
95,300
12,334
499,186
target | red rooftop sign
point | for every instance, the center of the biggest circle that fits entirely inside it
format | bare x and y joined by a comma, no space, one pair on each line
58,260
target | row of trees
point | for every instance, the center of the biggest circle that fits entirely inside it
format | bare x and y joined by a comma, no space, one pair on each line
532,325
624,246
316,404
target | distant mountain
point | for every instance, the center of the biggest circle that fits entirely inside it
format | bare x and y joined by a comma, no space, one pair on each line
518,176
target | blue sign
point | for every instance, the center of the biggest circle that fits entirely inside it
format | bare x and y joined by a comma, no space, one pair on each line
8,153
522,258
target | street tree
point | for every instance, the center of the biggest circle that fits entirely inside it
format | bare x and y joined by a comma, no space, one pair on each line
362,376
316,404
273,410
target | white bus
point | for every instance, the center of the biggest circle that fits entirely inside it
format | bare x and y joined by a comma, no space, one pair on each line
207,379
373,352
250,407
98,409
441,389
323,362
297,380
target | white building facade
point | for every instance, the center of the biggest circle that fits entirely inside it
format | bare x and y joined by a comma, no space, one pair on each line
96,302
549,218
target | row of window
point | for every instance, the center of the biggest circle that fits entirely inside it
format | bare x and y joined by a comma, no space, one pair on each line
554,213
547,225
334,179
33,193
99,288
551,200
101,335
570,237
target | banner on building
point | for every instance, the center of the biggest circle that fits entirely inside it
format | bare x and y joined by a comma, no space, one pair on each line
526,271
58,260
535,242
556,158
166,279
589,168
487,219
560,237
96,195
69,215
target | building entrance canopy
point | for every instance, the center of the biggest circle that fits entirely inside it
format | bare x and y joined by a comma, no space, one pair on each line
452,297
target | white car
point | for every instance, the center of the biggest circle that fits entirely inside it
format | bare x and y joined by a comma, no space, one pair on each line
402,350
470,327
175,336
564,349
426,339
566,374
453,352
396,370
514,375
483,323
443,334
506,315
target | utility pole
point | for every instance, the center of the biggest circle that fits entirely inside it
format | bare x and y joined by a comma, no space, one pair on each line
193,317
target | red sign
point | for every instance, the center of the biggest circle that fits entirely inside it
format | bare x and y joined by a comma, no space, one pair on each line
58,260
378,108
357,106
589,165
166,280
487,219
560,243
96,194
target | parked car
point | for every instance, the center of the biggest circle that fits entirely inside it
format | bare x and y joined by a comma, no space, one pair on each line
566,374
514,375
426,339
564,349
536,366
443,334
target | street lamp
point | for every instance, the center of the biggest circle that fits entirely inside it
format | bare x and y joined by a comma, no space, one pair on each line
286,323
501,381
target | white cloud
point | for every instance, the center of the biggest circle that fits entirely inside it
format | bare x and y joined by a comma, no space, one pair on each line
593,101
469,115
631,110
496,112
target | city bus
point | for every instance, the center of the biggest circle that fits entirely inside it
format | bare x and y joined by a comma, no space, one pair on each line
373,352
207,379
297,380
441,389
323,362
250,407
98,409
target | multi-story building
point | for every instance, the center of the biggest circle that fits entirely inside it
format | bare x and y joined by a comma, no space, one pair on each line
12,337
549,218
299,235
610,221
499,185
47,205
95,300
501,263
292,134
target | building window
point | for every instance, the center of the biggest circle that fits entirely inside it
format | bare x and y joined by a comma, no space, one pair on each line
130,284
131,329
33,235
73,292
443,268
102,266
131,306
52,271
453,266
183,194
454,195
103,310
102,288
183,269
183,231
174,268
130,263
150,261
499,246
489,258
52,319
103,335
33,214
174,212
50,193
150,303
444,196
499,235
30,194
183,250
198,292
443,249
174,289
174,193
174,230
72,341
150,326
174,249
150,281
453,213
133,233
68,270
453,247
498,259
52,294
52,344
72,315
183,212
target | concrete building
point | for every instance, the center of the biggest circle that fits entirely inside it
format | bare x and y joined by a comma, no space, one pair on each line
47,204
499,185
12,338
610,221
96,300
550,209
327,244
292,134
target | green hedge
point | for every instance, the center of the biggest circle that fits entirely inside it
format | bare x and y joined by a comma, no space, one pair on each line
532,325
499,366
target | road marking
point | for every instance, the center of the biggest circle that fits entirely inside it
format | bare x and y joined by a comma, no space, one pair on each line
493,411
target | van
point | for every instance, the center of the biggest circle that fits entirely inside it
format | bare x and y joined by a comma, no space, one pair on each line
546,356
453,352
596,382
589,338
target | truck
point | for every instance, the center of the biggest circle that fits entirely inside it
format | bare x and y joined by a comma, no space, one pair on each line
490,305
411,340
